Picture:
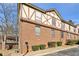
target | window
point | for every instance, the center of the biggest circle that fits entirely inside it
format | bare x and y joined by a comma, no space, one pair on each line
0,29
62,34
37,30
53,22
62,26
74,30
74,36
53,32
69,36
78,30
69,28
78,36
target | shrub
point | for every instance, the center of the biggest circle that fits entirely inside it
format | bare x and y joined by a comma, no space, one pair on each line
51,44
77,41
35,48
59,43
71,42
1,54
43,46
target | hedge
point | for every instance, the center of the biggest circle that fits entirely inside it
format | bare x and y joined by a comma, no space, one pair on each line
77,42
43,46
1,54
51,44
35,48
38,47
71,42
59,43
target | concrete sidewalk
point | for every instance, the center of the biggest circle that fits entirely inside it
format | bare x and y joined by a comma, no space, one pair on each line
49,50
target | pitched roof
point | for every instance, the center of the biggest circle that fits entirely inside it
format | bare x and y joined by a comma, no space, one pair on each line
55,10
50,10
61,18
34,7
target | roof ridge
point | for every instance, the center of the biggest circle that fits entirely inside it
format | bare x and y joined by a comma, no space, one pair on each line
44,11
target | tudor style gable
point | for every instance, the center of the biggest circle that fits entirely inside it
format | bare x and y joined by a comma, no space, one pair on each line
50,17
35,14
55,16
77,28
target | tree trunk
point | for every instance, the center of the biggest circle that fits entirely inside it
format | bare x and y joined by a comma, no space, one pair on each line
3,42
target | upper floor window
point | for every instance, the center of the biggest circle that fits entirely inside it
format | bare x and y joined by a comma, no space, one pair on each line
37,30
53,22
69,27
78,30
62,26
74,37
62,34
53,32
69,35
74,30
78,36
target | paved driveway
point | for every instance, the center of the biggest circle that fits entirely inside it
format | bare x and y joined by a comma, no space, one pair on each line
69,52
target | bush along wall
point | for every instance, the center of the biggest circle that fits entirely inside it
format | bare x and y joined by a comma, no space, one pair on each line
54,44
51,44
72,42
77,42
1,54
35,48
42,46
38,47
59,43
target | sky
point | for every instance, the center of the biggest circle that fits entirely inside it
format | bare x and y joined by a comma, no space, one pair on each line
10,11
69,11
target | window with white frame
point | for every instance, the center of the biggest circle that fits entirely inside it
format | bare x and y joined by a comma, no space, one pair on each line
69,27
53,32
53,22
62,34
62,26
78,30
37,30
74,30
69,35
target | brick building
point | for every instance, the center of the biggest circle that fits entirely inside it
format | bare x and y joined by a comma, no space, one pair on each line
38,26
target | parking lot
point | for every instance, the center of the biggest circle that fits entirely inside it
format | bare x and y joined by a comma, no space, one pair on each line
69,52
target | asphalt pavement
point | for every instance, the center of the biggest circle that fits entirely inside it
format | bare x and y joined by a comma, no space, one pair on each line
68,52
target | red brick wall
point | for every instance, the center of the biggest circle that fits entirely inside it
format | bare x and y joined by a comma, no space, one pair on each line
27,34
0,46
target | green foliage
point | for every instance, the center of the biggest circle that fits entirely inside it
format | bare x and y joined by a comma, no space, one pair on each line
59,43
1,54
43,46
71,42
51,44
77,41
38,47
35,48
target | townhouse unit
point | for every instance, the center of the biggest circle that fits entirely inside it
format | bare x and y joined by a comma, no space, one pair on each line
38,26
